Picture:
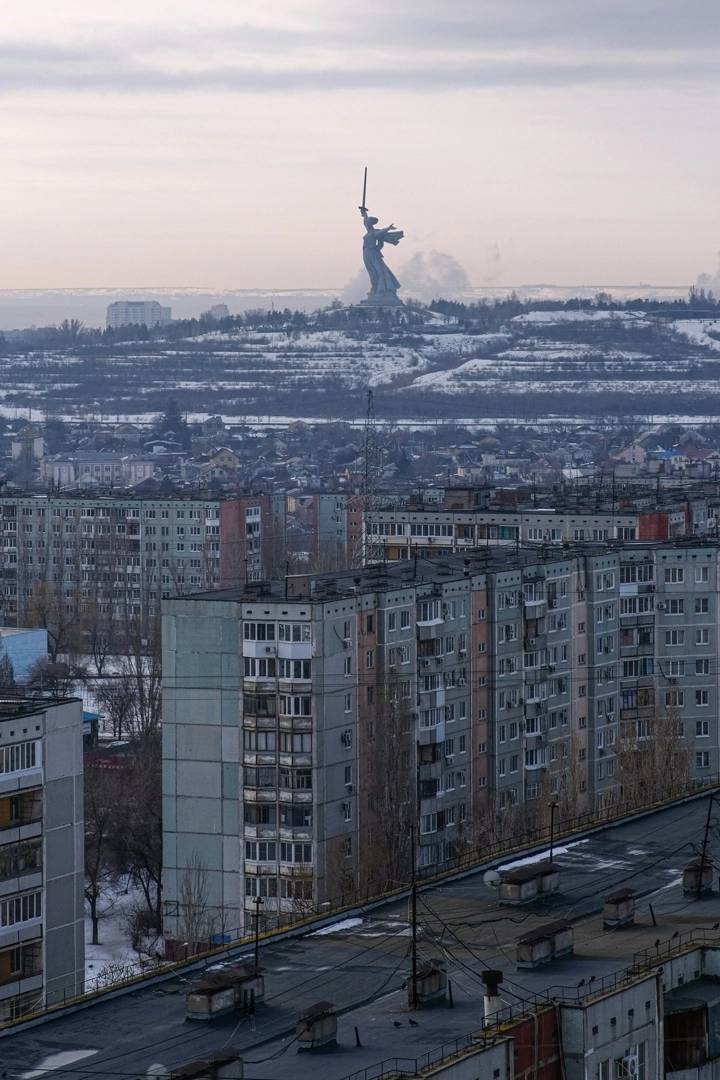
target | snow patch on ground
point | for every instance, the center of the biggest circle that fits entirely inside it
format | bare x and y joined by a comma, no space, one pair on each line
697,331
577,316
57,1061
115,949
337,928
541,856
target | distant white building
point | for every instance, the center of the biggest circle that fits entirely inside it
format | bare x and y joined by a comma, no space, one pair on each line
140,312
217,312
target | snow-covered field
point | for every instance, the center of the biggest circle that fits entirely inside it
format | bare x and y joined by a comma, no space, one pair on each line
641,363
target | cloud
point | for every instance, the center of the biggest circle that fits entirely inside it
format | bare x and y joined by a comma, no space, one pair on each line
710,282
429,275
410,44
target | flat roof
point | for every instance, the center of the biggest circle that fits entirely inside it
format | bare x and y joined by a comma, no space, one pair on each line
361,964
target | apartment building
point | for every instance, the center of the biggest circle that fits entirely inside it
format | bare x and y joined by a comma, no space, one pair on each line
99,468
42,927
141,312
322,733
337,529
116,556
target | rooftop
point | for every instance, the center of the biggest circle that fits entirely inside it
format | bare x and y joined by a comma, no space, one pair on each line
362,961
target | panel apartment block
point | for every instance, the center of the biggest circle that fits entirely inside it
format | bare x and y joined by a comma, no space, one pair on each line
326,730
42,926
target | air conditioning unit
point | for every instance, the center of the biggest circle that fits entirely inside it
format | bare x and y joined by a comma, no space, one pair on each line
462,654
630,1065
426,663
269,648
461,681
553,603
661,606
672,681
532,640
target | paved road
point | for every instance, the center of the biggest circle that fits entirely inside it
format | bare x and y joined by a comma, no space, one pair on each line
361,967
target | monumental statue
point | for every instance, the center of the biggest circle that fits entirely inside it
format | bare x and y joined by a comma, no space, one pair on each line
383,283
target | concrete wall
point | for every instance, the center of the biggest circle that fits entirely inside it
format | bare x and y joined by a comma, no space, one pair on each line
201,757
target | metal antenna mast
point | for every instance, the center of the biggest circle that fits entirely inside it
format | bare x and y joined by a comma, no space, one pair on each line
372,473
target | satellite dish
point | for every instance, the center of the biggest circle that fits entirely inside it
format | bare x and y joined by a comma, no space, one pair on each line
492,878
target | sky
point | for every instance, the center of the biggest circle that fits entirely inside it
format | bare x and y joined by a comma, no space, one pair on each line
222,143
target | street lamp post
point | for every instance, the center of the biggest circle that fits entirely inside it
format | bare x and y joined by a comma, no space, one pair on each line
553,807
258,902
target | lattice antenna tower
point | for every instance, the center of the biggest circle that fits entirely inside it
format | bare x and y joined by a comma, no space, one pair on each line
371,477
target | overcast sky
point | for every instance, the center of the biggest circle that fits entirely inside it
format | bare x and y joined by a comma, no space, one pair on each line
222,143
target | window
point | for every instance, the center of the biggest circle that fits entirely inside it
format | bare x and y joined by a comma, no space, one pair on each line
702,574
702,729
294,632
514,730
428,824
702,698
702,637
347,665
675,637
19,757
501,733
702,759
514,763
404,618
501,766
348,703
294,669
21,909
702,605
702,667
391,621
262,741
674,575
261,850
674,699
676,607
295,705
259,631
296,853
292,742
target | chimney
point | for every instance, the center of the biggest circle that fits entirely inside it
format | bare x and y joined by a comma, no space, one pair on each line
492,1001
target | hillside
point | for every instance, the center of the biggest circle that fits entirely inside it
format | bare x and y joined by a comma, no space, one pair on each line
564,363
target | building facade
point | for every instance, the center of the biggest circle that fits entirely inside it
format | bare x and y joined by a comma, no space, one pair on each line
414,713
137,312
42,924
115,557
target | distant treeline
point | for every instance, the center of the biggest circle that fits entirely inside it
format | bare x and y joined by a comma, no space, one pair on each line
479,316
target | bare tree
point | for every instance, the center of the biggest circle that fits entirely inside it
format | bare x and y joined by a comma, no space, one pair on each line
138,836
197,921
102,793
653,756
116,697
56,678
389,774
47,609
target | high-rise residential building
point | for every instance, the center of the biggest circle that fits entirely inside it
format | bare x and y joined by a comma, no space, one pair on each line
115,556
137,312
321,731
42,926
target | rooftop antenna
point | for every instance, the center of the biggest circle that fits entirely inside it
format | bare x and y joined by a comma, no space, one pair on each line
372,472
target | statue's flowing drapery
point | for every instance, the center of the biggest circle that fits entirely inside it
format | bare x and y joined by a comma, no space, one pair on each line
382,279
